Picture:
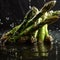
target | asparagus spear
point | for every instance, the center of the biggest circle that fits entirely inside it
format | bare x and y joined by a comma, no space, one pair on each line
34,28
42,11
44,29
16,29
42,33
29,15
45,8
28,30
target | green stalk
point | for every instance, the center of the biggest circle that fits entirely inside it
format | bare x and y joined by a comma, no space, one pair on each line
34,28
14,30
30,14
44,9
43,32
36,32
46,30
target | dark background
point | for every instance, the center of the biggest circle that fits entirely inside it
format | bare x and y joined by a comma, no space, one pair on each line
12,12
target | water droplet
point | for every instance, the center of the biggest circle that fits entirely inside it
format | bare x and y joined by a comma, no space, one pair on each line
58,30
16,54
30,7
21,57
6,21
52,42
56,41
56,52
0,20
44,0
7,18
1,23
20,20
29,4
12,25
59,42
50,30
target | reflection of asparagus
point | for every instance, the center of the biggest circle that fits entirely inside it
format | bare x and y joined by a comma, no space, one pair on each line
43,50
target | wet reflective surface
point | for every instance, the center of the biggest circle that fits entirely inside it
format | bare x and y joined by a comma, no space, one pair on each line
34,51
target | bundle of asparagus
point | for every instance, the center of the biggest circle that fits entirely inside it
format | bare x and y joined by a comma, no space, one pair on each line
35,24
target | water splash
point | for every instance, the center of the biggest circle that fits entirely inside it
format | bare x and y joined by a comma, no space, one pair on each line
12,25
7,18
0,20
29,4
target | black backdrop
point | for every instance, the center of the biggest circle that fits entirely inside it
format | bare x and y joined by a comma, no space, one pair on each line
13,11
